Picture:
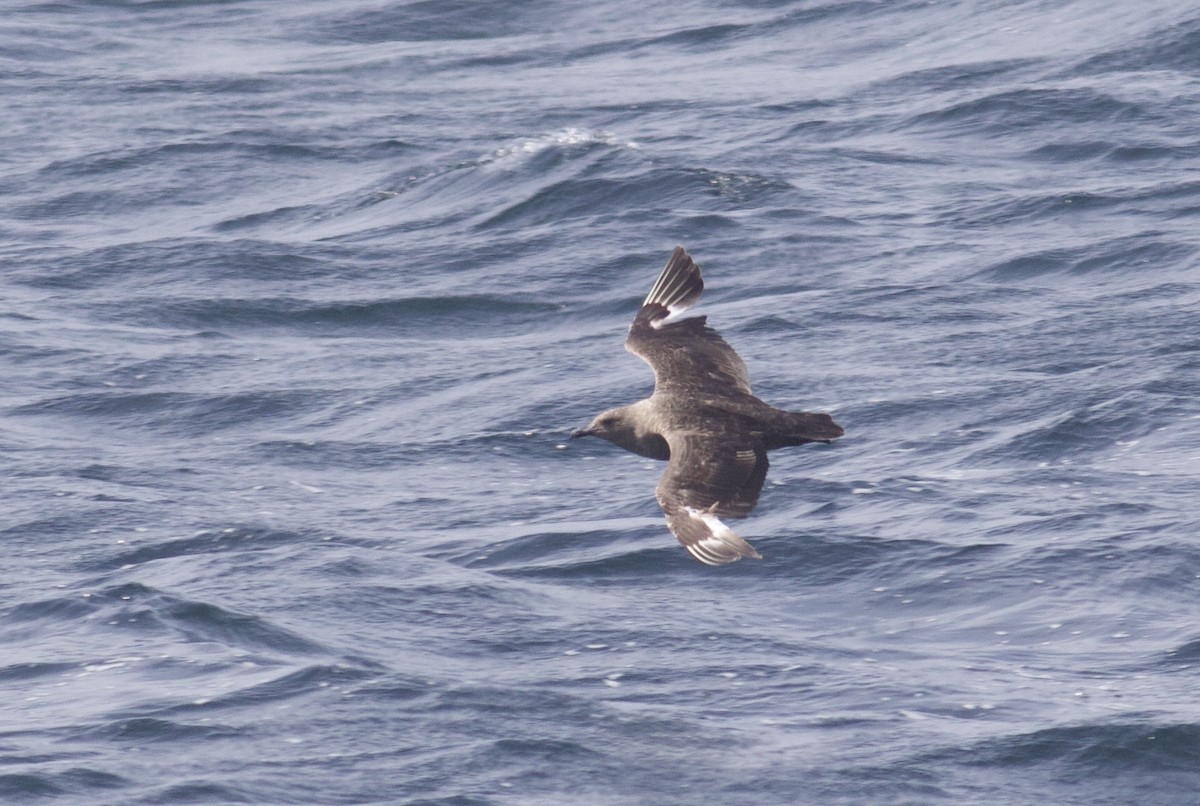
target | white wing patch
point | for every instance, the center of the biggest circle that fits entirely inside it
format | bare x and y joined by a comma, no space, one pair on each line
672,311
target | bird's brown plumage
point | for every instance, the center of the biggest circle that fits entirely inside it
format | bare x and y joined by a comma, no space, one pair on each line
702,418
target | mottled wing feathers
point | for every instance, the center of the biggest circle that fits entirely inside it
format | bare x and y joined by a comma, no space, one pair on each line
710,476
686,353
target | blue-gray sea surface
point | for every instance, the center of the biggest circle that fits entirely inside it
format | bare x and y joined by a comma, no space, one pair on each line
301,300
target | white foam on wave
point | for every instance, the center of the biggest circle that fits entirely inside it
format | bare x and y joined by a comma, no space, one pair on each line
570,136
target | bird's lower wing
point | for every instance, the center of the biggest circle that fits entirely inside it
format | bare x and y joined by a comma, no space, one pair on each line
710,475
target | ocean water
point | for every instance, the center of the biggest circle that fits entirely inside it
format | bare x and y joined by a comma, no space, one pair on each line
301,301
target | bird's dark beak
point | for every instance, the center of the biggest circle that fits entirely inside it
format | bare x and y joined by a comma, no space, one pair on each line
581,432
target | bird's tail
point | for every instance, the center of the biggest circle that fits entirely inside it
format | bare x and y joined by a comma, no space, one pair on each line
800,427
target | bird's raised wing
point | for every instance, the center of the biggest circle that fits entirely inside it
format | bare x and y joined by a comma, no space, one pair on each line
687,353
711,475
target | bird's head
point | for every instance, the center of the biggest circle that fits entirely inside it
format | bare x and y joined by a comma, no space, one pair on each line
629,427
606,426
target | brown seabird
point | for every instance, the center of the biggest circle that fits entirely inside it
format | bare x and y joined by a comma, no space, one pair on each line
702,419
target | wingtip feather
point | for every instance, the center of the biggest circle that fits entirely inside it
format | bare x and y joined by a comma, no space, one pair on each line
720,546
679,284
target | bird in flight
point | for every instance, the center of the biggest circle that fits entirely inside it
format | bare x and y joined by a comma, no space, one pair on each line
702,420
